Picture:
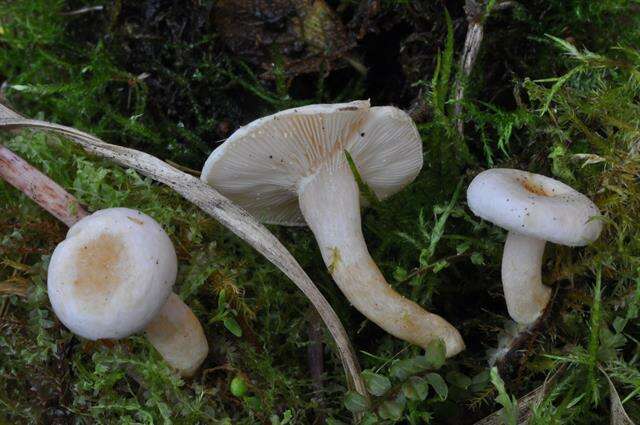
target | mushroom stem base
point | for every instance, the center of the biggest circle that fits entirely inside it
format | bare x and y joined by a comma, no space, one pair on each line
330,203
525,294
178,336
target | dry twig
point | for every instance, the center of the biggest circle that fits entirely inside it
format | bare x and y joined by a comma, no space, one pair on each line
477,13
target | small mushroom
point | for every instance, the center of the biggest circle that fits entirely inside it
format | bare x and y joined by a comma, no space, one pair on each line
113,276
534,209
290,169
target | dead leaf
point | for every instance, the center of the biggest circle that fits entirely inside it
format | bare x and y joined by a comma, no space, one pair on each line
15,286
619,416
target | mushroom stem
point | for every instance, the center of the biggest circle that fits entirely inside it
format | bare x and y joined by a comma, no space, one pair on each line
524,292
330,203
178,336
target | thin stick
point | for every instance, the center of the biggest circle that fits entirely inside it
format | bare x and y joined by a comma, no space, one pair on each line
472,42
84,10
44,191
36,185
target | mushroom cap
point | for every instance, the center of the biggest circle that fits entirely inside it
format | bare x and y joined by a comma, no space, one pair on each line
112,274
263,164
535,206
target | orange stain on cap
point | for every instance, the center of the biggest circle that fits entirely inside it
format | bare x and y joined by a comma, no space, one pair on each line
98,267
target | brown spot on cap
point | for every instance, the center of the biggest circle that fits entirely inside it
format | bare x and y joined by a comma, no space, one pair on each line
98,267
533,187
135,220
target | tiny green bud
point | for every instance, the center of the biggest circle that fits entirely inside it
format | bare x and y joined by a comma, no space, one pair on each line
238,386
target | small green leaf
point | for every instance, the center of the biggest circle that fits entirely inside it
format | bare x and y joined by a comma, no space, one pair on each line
238,386
402,369
415,389
463,247
370,418
619,324
365,189
355,403
477,259
440,265
425,255
458,379
253,402
400,274
232,326
376,384
509,403
436,353
480,381
438,385
287,416
391,409
222,298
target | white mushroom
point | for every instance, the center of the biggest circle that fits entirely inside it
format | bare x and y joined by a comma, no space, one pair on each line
113,276
290,168
534,209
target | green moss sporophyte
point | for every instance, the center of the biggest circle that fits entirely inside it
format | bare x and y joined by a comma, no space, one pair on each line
290,169
113,276
534,209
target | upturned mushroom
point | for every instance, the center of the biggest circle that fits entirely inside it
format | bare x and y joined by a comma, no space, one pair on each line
290,169
534,209
113,276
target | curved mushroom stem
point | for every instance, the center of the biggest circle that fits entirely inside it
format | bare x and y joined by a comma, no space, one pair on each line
178,336
330,203
524,292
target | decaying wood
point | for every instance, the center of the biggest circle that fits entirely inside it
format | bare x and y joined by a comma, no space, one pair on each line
476,15
619,415
222,209
472,43
526,403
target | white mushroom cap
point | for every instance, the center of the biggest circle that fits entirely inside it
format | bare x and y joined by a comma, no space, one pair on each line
262,165
535,206
112,274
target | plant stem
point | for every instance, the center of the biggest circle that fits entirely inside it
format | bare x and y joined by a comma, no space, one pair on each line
40,188
594,337
330,204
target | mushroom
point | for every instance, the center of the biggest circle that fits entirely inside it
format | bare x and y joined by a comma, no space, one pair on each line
291,169
113,276
534,209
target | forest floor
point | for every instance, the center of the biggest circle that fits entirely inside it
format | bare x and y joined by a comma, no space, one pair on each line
554,89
